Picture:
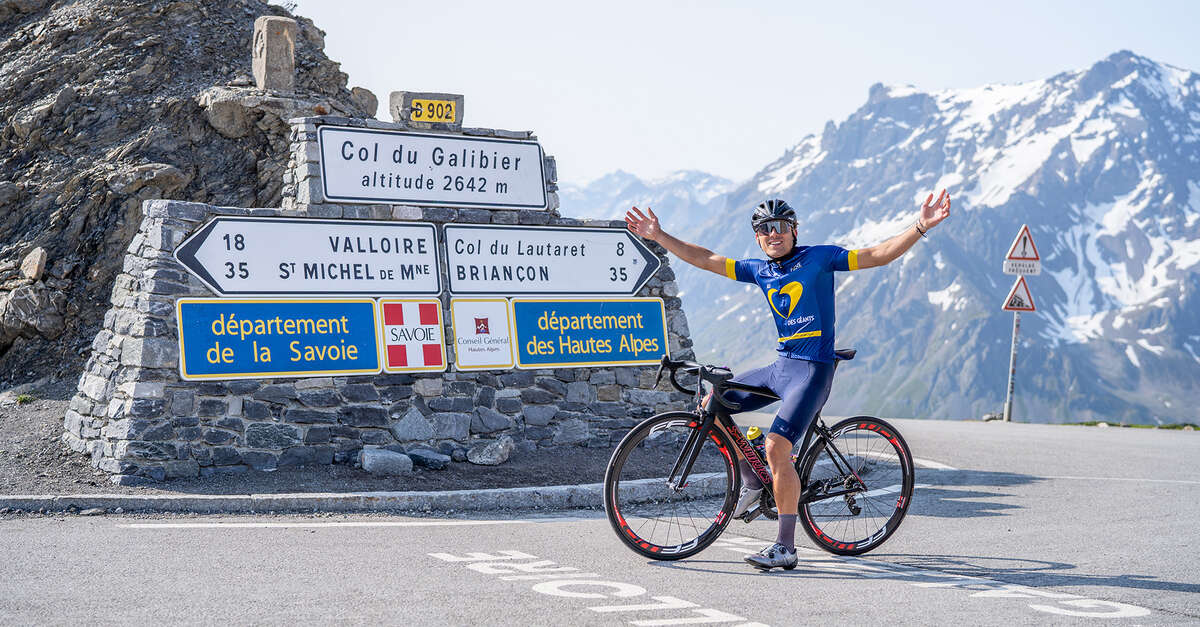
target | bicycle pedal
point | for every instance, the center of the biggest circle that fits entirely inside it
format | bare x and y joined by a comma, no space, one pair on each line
750,514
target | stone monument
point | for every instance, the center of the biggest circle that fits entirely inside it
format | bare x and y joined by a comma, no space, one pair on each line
274,53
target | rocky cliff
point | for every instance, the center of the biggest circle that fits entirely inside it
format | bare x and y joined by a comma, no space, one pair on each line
106,103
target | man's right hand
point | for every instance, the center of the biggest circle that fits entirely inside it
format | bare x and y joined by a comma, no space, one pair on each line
643,225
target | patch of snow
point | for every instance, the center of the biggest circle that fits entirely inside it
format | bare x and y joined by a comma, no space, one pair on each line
1079,328
1157,350
1129,352
1169,84
946,299
805,155
998,179
1090,136
871,232
900,91
1188,347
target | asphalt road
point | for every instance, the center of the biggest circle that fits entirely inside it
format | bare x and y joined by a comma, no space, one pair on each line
1010,523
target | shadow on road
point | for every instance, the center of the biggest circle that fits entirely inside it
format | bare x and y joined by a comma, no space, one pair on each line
1031,572
956,493
971,572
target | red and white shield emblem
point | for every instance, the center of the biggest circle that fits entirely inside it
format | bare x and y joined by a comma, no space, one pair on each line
412,336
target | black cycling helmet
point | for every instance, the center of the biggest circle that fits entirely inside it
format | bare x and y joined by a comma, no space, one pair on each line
774,209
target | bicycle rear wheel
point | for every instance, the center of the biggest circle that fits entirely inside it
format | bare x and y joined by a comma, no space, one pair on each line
652,517
869,472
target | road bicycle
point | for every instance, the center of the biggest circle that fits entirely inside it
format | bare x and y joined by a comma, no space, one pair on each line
672,483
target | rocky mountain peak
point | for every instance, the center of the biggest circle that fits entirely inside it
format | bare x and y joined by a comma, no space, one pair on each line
106,103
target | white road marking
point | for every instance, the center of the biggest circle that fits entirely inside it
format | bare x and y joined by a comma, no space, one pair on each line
550,576
661,603
929,464
559,584
979,587
1134,479
317,525
705,616
892,489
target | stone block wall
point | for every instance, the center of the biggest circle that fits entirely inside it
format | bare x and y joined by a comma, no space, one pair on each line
139,420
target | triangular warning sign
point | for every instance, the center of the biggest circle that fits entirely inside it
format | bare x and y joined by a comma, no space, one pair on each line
1019,298
1023,248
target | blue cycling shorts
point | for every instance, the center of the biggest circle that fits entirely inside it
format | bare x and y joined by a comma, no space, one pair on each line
801,385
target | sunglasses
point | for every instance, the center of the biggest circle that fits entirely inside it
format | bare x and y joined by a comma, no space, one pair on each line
774,226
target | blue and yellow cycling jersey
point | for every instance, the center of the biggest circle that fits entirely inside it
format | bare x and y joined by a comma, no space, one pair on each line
799,290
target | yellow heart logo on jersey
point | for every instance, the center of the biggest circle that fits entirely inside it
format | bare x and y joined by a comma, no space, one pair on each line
793,291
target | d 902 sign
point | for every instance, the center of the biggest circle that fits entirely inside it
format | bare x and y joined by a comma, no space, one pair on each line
433,111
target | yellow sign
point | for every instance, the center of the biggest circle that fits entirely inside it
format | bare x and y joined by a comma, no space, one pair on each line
433,111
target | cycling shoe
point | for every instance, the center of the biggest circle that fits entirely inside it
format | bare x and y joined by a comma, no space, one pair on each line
773,556
747,498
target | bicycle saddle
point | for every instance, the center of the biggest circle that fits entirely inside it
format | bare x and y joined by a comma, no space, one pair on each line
844,354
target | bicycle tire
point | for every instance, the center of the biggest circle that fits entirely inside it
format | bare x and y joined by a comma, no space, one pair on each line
881,461
707,499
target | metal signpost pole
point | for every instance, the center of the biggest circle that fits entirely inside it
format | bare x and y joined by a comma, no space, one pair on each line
1012,367
1022,259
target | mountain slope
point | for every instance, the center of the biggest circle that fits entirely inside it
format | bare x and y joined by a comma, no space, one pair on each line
685,198
1102,165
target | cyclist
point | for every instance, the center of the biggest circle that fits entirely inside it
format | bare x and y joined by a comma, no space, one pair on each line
798,284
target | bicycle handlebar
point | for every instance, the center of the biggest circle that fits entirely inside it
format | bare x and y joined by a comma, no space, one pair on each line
675,365
716,376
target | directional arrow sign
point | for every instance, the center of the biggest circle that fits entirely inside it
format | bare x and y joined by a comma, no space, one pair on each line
1023,257
512,260
266,256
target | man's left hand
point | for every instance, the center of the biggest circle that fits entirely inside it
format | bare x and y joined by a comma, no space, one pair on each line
933,212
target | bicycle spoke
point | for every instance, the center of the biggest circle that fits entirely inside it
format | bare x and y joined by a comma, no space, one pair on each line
860,458
658,520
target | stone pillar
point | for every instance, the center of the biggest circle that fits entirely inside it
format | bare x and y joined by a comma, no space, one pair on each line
274,53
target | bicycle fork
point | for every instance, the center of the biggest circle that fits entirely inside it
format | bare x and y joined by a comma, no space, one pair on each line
687,457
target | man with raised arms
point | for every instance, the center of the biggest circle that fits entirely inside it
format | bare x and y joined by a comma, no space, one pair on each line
798,284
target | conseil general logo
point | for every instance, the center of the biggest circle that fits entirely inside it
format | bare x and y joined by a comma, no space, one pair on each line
789,296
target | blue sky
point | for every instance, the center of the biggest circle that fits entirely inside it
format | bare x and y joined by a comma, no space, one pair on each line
653,87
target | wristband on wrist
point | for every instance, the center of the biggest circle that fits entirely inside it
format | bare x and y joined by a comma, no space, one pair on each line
917,226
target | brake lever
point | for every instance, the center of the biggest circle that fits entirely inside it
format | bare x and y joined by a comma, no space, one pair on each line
658,377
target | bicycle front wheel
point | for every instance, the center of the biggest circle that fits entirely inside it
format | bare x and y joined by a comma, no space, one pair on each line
857,487
667,520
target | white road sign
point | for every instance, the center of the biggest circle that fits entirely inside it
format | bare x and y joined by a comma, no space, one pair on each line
371,166
482,333
1023,257
508,260
265,256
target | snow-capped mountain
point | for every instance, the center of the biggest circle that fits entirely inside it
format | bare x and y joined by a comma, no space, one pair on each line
678,198
1101,163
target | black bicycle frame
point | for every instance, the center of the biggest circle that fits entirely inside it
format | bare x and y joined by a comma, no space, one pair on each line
714,413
